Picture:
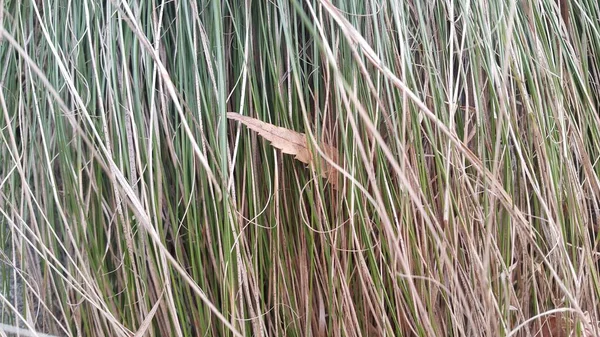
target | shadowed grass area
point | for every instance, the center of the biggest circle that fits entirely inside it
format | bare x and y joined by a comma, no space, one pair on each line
468,198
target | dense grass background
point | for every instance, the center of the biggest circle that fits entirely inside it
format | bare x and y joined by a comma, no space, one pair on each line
468,135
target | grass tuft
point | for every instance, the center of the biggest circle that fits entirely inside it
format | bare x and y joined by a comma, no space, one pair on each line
468,195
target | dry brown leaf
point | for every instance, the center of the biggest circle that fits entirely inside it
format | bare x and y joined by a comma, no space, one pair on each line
557,325
553,326
294,143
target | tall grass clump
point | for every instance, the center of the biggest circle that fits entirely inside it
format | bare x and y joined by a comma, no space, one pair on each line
468,139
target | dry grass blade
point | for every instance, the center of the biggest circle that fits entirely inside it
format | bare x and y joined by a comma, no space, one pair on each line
294,143
9,329
148,320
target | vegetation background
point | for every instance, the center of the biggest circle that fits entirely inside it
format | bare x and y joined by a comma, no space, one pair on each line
468,187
